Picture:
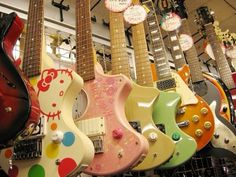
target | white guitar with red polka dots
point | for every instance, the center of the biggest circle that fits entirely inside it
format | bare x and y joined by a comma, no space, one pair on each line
57,147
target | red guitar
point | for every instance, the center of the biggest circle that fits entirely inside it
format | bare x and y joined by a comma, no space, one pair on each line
19,106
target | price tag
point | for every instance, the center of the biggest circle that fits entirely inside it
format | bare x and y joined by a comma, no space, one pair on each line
117,5
186,41
135,14
170,22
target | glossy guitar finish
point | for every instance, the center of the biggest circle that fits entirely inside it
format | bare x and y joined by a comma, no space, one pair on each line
57,147
226,110
139,105
226,104
122,146
19,104
139,108
164,117
224,134
174,88
200,122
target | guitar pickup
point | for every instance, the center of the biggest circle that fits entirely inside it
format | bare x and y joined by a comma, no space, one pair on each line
166,84
95,129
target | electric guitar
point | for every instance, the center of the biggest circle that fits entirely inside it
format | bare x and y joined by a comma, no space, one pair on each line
19,106
165,107
223,64
139,105
224,135
57,147
99,108
200,120
226,105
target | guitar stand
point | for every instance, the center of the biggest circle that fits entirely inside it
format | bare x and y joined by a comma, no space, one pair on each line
61,8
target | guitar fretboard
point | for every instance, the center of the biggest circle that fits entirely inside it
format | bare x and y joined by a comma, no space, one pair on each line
119,55
221,62
159,52
176,51
84,46
143,67
33,39
192,56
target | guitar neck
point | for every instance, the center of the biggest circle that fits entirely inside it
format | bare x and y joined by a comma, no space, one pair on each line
32,52
222,64
84,46
176,51
143,67
191,56
159,53
119,55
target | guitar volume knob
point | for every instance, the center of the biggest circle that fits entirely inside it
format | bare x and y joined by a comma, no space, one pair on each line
195,118
117,133
198,132
57,137
204,111
152,137
207,125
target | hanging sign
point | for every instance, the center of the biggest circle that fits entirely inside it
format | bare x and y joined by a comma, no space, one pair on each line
135,14
117,5
186,42
170,22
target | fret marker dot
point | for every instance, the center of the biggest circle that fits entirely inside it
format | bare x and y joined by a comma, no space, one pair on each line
120,66
119,59
115,19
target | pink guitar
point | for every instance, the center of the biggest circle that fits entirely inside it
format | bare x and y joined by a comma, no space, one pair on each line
99,108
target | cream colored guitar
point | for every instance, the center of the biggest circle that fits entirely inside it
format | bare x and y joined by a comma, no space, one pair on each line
57,147
139,105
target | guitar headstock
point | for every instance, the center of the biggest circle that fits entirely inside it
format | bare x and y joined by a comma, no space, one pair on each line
179,8
165,6
205,16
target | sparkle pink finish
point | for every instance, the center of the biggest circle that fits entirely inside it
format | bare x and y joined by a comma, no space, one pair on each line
106,98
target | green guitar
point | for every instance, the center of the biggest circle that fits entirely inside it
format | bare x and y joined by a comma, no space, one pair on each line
165,107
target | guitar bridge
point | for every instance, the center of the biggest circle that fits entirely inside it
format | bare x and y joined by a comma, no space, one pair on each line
95,129
28,149
31,147
136,125
166,84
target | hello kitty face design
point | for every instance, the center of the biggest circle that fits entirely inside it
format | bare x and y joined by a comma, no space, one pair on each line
51,89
